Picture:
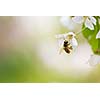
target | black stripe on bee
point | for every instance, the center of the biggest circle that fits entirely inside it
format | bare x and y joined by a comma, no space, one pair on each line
67,50
67,47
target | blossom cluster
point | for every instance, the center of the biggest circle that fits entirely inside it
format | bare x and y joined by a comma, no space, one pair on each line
89,22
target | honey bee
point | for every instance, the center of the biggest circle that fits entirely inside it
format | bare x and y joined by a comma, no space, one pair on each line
67,47
67,42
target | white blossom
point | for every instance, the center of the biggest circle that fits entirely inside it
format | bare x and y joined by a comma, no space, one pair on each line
74,42
98,35
78,19
61,36
93,20
70,37
89,21
71,33
94,60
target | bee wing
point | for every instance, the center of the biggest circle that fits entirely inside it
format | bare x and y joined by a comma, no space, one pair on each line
60,42
61,50
60,45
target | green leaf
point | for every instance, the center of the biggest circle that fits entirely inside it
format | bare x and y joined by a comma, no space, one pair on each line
90,35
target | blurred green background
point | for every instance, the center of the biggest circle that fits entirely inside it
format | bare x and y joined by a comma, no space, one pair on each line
29,52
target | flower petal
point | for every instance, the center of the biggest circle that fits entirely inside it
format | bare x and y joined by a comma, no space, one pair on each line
71,33
93,20
73,42
65,20
61,36
78,19
89,24
98,35
94,60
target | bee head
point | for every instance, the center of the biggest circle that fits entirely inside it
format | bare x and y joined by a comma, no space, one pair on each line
65,42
